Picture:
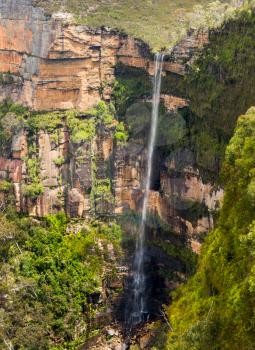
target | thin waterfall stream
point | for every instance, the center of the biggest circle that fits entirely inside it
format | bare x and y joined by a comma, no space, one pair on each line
138,309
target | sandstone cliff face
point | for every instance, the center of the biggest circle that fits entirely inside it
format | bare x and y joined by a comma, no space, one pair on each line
52,64
67,185
183,201
102,178
58,65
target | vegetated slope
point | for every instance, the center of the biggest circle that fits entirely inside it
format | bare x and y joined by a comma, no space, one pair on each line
51,280
160,23
216,309
220,87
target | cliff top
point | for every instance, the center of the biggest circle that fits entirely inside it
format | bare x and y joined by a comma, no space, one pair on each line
160,23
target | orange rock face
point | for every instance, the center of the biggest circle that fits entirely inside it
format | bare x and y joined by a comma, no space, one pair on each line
78,69
11,168
66,66
172,103
60,66
10,61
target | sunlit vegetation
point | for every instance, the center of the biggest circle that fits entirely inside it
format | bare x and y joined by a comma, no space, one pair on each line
160,23
82,127
51,280
215,309
5,186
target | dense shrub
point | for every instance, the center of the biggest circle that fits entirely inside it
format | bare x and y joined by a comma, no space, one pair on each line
50,281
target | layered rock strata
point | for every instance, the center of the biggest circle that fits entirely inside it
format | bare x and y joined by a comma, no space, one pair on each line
102,178
49,63
54,64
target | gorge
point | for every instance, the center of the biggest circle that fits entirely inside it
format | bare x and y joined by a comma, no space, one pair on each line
126,177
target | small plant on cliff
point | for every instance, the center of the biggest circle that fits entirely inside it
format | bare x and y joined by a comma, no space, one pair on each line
59,161
103,112
5,186
102,191
45,121
9,106
6,78
121,135
12,119
81,130
33,190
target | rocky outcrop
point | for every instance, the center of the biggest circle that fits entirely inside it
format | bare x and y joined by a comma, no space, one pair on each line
185,52
172,103
190,201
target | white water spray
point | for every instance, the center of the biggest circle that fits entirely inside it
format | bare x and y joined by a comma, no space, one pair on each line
138,309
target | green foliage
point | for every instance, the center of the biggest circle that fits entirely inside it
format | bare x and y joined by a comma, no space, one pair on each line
121,135
160,329
11,121
182,253
251,190
33,190
223,74
6,78
50,281
132,83
8,106
81,129
59,161
120,96
171,244
160,24
84,128
33,165
172,129
215,310
102,192
104,112
220,88
5,186
192,210
45,121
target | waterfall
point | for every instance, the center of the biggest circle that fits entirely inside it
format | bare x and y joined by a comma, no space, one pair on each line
138,310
